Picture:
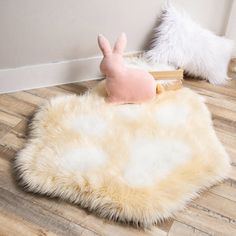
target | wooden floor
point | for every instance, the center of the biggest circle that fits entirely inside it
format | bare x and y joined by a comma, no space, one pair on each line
213,213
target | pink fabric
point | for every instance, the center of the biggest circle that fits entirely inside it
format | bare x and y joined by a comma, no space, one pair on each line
124,85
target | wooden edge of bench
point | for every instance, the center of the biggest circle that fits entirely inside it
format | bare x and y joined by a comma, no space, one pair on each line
166,75
167,87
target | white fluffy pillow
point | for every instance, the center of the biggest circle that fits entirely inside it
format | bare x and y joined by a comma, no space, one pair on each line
183,43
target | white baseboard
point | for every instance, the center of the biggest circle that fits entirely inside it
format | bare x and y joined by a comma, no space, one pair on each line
51,74
44,75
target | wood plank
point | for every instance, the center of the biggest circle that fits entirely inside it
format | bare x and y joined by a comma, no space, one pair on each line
166,225
180,229
60,209
210,201
226,103
88,233
221,105
232,174
22,128
90,84
201,84
36,214
8,119
4,129
12,141
49,92
212,97
107,228
220,100
213,213
15,106
207,221
69,211
225,190
75,88
7,153
229,142
11,225
223,126
221,112
227,138
27,97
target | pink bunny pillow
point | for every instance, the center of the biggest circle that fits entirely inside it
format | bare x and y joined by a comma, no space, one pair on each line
124,85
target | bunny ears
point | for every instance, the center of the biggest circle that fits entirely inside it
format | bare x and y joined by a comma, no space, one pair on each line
106,47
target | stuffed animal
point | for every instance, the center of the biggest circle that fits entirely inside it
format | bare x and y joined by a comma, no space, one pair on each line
124,85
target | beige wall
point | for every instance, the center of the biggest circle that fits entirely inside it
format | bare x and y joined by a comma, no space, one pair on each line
44,31
231,26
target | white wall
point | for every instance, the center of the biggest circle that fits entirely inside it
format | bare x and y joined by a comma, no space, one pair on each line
36,32
231,26
49,42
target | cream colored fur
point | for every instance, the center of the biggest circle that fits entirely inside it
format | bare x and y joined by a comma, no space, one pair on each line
132,163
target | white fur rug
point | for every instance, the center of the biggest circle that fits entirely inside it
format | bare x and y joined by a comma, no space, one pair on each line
132,163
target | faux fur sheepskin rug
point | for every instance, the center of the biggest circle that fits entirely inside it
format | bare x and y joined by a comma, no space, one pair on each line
132,163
